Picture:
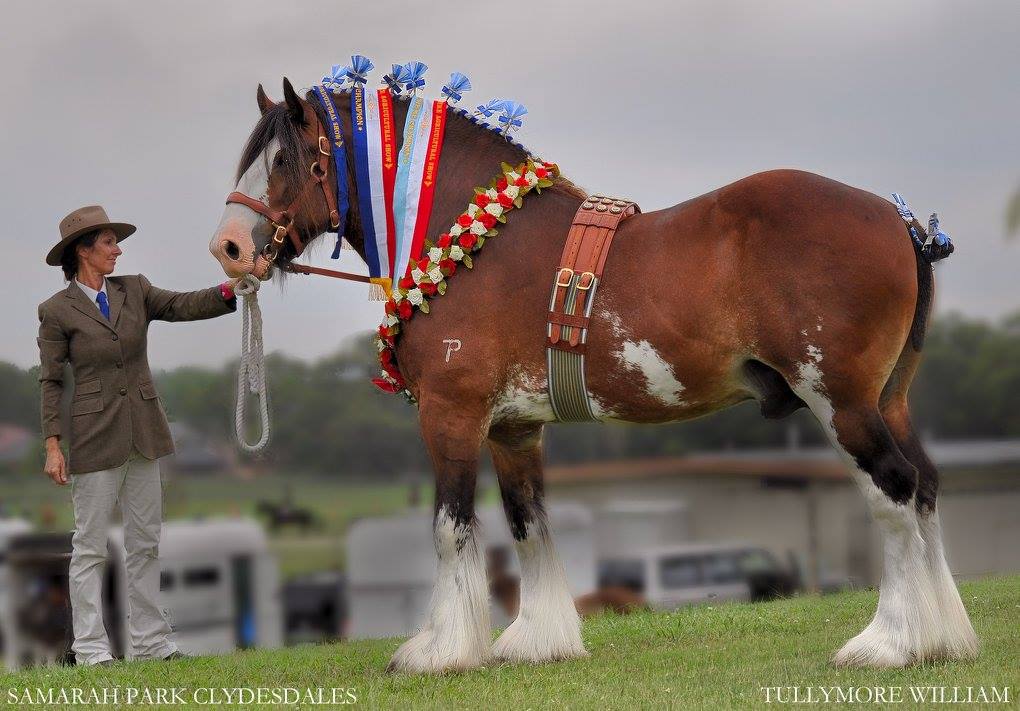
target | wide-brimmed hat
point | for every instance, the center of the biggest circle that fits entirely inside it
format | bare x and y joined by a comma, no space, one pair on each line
82,220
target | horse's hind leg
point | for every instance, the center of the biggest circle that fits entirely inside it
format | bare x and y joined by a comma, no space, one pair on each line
905,626
456,633
547,627
957,637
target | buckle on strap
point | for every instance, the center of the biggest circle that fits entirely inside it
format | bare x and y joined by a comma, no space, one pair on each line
585,282
563,276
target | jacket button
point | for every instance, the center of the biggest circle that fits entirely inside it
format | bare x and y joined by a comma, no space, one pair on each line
115,337
123,391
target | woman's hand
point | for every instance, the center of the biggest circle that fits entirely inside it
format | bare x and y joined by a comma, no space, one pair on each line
56,468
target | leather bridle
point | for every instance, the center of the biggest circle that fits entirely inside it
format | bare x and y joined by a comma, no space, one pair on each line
283,220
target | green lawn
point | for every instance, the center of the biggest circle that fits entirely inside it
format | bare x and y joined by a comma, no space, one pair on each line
701,657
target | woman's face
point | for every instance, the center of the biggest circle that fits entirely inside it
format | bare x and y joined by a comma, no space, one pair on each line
101,257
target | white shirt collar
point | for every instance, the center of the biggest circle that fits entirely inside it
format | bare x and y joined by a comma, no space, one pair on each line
92,293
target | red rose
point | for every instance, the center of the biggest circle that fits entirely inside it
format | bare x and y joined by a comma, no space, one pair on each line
505,201
448,267
521,181
428,289
383,332
541,172
501,184
467,240
482,200
404,310
391,307
386,356
465,220
423,264
444,240
487,220
406,283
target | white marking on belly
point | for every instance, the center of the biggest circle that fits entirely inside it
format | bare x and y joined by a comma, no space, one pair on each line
525,397
660,380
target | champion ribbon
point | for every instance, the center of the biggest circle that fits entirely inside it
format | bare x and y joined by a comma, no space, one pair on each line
430,173
374,154
388,145
336,142
412,199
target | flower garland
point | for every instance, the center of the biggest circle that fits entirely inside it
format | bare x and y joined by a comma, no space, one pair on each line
429,274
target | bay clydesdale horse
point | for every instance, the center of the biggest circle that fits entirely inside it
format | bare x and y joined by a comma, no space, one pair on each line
785,287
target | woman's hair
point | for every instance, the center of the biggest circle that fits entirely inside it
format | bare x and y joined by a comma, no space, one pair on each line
69,259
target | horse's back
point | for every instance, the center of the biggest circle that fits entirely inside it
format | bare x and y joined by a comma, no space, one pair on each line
773,267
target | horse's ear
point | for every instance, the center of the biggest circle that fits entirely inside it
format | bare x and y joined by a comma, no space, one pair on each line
265,103
294,105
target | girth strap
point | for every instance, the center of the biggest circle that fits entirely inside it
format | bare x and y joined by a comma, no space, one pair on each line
573,293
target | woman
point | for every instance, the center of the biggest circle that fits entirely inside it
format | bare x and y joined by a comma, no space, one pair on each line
117,429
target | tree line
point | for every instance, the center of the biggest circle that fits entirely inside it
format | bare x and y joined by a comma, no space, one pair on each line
327,417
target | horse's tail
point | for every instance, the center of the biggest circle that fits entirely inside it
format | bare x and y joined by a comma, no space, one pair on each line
930,245
925,292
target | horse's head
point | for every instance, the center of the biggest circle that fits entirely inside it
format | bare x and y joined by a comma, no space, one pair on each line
276,208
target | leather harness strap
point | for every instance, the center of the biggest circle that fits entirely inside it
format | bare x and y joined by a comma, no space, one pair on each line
576,280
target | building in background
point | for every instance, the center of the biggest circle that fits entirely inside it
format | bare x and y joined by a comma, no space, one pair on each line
800,504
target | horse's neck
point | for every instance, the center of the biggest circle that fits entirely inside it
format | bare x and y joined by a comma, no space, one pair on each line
470,158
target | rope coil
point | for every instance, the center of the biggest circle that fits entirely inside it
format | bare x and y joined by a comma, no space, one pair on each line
251,371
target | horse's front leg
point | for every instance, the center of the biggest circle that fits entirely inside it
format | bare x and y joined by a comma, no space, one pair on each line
456,632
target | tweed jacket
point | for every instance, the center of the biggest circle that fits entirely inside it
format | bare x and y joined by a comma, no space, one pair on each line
115,407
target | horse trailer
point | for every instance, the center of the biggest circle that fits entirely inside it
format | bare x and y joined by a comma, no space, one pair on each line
219,586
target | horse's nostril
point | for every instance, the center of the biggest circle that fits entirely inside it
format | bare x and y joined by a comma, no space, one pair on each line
231,250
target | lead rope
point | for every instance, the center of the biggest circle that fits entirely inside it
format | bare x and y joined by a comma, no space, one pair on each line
251,371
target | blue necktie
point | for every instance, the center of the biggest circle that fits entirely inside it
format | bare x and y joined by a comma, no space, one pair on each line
104,304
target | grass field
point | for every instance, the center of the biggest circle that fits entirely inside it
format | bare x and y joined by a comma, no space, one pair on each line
696,658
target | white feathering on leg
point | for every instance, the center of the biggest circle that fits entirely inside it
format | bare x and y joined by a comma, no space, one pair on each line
957,637
456,632
547,627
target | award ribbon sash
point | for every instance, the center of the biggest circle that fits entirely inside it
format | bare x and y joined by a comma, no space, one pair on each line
368,176
412,199
336,142
430,173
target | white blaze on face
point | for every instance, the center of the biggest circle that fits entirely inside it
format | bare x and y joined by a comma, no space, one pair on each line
232,243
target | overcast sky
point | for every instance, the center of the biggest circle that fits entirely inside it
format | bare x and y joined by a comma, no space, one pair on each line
144,107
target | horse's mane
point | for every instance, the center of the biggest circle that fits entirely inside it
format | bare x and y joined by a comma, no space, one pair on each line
276,123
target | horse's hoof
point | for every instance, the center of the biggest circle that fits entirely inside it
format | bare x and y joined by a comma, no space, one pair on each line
873,650
422,654
522,645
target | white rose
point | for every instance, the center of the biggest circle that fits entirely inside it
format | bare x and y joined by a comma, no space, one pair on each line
436,275
415,297
531,178
477,228
397,296
417,274
511,177
494,209
387,377
456,253
473,209
512,191
391,320
379,345
436,254
491,193
456,231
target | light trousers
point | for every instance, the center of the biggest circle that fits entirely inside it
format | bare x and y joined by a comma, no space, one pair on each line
136,484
